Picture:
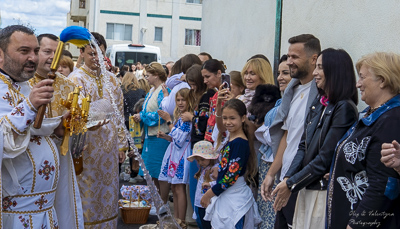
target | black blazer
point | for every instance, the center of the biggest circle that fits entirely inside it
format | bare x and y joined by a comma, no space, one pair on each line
318,143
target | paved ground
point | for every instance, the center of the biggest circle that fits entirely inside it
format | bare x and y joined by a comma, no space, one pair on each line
152,219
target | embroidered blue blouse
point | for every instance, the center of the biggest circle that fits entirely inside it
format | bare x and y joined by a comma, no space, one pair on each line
151,118
233,164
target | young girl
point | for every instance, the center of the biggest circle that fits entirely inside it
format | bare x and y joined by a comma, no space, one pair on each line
174,167
206,157
232,204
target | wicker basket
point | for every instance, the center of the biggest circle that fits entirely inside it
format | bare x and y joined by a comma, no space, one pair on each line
135,215
138,215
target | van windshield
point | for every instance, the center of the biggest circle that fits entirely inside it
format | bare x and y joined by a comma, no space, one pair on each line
129,58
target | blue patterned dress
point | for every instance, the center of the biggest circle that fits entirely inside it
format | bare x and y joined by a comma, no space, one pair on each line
175,167
265,208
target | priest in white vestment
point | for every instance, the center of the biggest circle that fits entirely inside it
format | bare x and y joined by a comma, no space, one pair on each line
39,188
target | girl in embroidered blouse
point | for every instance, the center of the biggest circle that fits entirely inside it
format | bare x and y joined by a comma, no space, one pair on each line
175,167
233,207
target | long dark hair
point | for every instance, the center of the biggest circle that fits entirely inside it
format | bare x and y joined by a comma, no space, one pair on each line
213,66
188,61
251,166
283,58
340,77
177,67
193,74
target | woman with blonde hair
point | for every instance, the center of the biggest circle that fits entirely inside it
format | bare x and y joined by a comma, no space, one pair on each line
143,84
255,72
132,94
359,183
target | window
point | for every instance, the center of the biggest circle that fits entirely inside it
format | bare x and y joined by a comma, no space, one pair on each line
82,4
131,57
192,37
158,34
119,32
194,1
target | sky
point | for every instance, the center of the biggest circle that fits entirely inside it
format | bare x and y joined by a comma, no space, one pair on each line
44,16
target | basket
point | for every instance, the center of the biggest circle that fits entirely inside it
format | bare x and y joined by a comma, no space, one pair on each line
137,215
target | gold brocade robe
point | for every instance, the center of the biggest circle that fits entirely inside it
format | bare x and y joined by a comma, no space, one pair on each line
62,87
98,183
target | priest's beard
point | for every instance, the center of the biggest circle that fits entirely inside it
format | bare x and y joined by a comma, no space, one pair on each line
16,70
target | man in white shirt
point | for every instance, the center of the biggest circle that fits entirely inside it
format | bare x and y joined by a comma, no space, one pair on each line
288,126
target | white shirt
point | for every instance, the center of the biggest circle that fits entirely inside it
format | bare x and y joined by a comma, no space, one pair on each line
294,124
139,74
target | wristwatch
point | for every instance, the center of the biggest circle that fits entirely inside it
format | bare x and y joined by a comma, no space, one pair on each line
169,123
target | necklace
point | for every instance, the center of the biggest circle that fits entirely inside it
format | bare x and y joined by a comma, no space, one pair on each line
98,81
372,110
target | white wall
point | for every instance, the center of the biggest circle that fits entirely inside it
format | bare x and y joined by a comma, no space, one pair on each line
235,30
359,27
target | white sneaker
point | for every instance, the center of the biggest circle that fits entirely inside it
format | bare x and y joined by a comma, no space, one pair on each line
163,210
153,210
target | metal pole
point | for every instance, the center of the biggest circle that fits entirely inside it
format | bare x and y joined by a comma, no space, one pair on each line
278,34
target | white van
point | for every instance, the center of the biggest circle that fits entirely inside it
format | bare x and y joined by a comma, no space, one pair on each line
128,54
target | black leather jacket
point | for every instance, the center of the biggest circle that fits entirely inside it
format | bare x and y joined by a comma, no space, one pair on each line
318,143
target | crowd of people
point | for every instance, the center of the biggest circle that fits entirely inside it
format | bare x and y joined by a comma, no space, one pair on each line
248,149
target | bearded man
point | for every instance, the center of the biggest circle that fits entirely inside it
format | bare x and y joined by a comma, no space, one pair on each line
37,189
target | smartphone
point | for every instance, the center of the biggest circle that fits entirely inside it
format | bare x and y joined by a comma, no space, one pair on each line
226,80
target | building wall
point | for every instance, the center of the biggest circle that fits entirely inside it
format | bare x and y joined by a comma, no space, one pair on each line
357,27
245,28
233,31
174,16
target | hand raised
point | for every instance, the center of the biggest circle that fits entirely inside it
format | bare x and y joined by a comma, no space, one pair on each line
187,116
164,115
41,93
164,90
